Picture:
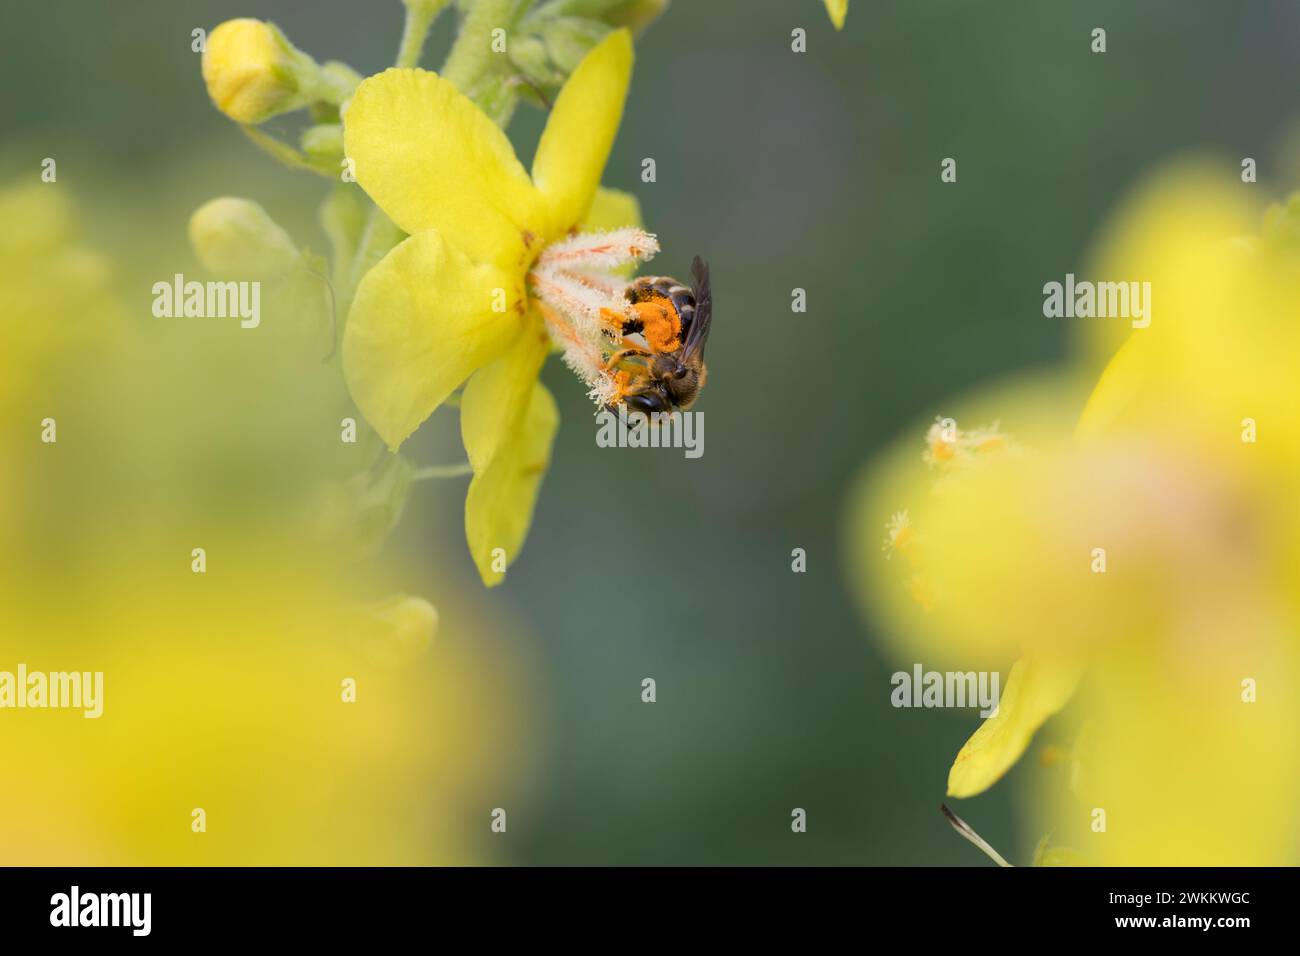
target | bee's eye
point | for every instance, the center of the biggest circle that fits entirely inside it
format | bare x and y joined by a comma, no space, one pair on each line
681,371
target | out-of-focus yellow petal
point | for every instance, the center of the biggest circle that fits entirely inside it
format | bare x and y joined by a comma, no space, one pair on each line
978,528
580,131
496,399
1171,232
499,506
1036,689
838,9
612,209
1116,391
1185,770
432,159
423,322
1222,345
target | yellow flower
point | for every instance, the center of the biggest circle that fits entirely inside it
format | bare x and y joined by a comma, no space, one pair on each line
494,261
838,9
253,72
1139,557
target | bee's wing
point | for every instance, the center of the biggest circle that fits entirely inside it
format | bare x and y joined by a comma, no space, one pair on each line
699,333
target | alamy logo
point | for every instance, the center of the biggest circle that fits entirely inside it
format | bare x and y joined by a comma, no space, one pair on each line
923,688
82,690
1102,300
103,909
659,430
208,300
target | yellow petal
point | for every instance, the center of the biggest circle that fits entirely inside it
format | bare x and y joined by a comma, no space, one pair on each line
1116,391
495,400
499,506
1037,688
612,209
838,9
431,159
580,131
421,323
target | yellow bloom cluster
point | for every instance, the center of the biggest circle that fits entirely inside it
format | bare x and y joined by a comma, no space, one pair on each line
1138,558
451,303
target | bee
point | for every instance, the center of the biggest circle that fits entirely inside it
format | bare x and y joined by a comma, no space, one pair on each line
668,372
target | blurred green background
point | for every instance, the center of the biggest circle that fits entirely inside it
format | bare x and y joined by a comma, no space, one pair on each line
816,170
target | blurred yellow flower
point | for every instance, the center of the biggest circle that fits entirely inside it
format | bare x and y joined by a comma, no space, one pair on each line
452,300
56,287
256,690
1153,549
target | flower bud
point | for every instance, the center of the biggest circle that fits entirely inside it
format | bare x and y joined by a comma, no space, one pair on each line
253,72
569,39
236,237
323,141
636,15
529,54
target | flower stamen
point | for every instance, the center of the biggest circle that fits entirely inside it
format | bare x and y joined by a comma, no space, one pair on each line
585,304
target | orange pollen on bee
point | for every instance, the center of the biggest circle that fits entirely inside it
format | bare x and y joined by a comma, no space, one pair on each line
613,319
660,324
622,384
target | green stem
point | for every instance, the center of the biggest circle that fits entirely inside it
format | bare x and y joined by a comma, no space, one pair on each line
442,471
331,86
472,61
419,18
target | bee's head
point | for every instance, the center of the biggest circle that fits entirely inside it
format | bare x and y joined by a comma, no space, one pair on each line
679,377
650,402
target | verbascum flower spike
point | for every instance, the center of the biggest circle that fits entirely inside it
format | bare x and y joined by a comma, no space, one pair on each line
499,265
253,73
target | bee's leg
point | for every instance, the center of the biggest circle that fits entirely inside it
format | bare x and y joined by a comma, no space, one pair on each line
630,383
617,321
622,354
